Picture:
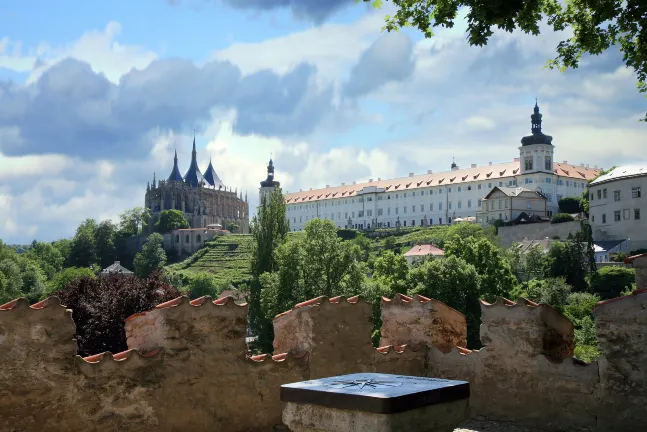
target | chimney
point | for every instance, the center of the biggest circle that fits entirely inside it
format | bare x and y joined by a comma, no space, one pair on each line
489,163
410,174
370,180
429,171
473,165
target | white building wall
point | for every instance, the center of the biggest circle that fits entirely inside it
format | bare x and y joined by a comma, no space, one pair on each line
617,210
438,203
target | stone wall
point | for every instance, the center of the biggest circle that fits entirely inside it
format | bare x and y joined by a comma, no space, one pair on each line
537,231
187,368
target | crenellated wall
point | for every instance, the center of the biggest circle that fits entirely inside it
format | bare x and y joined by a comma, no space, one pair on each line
187,369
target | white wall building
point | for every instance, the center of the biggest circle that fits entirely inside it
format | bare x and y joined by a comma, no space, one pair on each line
438,198
617,206
508,203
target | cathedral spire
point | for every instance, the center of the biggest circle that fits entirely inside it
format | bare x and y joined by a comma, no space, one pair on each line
175,174
193,176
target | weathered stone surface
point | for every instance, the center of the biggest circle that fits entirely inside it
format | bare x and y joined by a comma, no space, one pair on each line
621,327
420,320
402,360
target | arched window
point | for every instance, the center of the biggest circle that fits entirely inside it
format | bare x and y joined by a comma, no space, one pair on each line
198,238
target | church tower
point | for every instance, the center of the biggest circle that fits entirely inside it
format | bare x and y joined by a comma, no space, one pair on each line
267,185
536,151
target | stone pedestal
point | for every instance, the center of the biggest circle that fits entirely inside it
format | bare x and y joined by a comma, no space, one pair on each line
375,403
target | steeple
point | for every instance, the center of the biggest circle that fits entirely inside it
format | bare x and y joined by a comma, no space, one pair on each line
175,174
537,136
193,176
269,181
454,166
211,177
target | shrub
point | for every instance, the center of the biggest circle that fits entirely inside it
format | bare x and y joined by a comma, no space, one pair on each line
347,234
569,205
100,306
610,282
561,218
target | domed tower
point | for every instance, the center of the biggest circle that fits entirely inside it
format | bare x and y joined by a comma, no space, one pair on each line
536,151
267,185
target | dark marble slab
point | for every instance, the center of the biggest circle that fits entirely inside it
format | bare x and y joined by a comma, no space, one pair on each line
377,393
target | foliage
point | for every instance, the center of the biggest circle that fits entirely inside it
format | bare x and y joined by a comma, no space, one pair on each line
170,220
65,277
83,250
552,291
233,227
619,257
204,284
440,278
152,256
610,282
573,259
64,246
561,218
269,230
569,205
586,353
364,245
19,276
392,271
48,258
535,264
105,238
496,277
596,26
100,306
132,221
579,309
347,234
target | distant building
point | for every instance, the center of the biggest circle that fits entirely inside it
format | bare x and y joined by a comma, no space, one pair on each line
423,251
116,268
605,250
507,204
440,198
203,198
184,242
616,203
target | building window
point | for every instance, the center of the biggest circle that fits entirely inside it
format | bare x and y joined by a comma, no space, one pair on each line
469,203
186,238
479,186
405,223
547,164
413,209
413,223
479,203
177,238
449,189
440,221
360,213
413,193
636,213
500,184
379,198
592,218
548,180
379,212
459,204
198,238
635,192
469,188
449,205
397,209
599,193
604,218
422,222
616,195
404,210
440,207
431,207
460,189
388,211
506,204
405,194
500,204
604,192
422,207
616,215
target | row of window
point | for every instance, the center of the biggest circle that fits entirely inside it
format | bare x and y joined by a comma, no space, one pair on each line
619,215
617,194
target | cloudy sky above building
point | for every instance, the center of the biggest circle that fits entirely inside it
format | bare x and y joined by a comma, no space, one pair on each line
95,97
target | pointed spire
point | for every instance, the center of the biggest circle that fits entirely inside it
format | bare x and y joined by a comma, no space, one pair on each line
193,176
175,173
537,136
245,195
148,186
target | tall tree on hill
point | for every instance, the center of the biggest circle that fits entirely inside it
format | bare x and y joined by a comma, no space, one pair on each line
83,252
133,220
152,256
269,228
595,25
170,220
105,240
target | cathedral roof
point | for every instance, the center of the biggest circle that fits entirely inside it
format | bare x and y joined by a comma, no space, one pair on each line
269,181
175,174
537,136
212,178
193,176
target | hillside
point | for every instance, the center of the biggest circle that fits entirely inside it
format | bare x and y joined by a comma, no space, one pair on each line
228,258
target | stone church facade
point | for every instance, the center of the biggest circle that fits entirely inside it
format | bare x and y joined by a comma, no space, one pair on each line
203,198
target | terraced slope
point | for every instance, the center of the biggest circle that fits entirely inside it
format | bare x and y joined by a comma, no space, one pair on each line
228,258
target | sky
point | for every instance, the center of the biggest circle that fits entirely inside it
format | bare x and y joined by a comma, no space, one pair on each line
96,96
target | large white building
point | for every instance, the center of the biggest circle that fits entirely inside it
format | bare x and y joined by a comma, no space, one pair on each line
438,198
615,206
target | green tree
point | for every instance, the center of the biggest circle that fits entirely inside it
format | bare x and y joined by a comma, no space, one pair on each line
152,256
47,256
133,221
579,309
535,264
569,205
203,284
64,246
105,238
553,291
170,220
494,269
33,279
269,228
573,259
65,277
440,279
596,26
561,218
83,252
10,280
393,270
233,227
610,282
364,245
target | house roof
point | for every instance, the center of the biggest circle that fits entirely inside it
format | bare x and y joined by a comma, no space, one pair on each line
424,250
510,191
449,178
525,245
622,172
116,268
607,244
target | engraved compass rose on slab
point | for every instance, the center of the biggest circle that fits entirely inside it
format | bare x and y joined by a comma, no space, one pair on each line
361,384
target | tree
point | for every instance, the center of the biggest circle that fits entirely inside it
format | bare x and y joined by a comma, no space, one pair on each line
393,270
10,280
65,277
203,284
132,221
83,252
579,309
64,246
535,264
48,258
454,282
596,26
152,256
561,218
611,282
105,238
569,205
170,220
233,227
573,259
553,291
269,228
100,306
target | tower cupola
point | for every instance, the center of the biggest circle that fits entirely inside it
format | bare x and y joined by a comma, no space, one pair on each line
536,136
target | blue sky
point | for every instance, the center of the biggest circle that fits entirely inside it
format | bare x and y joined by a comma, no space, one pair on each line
96,96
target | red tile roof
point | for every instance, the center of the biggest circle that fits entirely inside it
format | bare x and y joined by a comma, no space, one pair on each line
425,249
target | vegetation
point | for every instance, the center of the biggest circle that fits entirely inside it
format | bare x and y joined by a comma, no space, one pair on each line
596,26
561,218
152,256
170,220
570,205
233,228
610,282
